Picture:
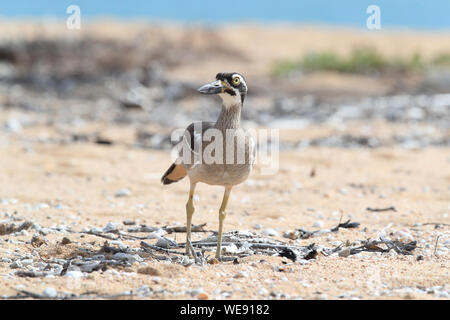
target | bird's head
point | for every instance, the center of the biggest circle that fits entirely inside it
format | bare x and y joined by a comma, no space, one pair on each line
231,87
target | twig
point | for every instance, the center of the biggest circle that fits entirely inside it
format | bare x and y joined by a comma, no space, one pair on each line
194,228
227,259
381,209
436,245
251,245
11,228
434,223
346,224
107,248
196,258
399,247
144,228
132,237
29,294
99,235
147,245
32,274
23,294
340,218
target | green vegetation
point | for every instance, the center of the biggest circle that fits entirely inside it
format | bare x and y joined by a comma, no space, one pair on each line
442,59
364,60
360,61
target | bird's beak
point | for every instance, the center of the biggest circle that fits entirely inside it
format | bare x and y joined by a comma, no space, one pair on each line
215,87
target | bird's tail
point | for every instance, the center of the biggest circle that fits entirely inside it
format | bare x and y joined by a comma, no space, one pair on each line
175,173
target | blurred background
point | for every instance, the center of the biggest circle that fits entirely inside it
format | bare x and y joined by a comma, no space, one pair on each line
309,65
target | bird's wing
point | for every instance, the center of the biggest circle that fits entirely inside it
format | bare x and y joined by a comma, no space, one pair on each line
194,134
193,143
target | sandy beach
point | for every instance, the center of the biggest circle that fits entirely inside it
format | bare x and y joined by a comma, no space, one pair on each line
75,191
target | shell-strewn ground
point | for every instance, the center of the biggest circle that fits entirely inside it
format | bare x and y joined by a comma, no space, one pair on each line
75,186
85,123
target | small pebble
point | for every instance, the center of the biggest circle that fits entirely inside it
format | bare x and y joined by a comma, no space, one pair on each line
122,193
157,234
202,296
197,291
13,125
263,292
41,206
270,232
111,226
26,262
344,253
143,291
318,224
164,242
49,293
322,296
75,274
37,241
65,241
126,256
240,274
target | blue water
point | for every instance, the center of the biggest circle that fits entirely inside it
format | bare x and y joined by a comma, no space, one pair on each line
415,14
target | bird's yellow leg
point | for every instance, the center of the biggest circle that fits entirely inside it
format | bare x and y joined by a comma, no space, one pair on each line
189,212
222,215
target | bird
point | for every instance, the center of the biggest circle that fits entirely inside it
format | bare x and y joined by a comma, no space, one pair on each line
216,153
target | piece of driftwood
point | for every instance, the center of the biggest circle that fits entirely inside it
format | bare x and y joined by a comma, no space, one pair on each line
197,257
250,245
24,294
305,234
32,274
258,245
374,246
146,246
143,228
6,229
109,249
436,224
194,228
381,209
347,225
101,234
436,245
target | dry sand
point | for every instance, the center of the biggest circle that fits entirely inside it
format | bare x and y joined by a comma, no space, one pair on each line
77,183
85,177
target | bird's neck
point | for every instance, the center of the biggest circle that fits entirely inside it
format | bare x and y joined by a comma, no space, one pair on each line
230,117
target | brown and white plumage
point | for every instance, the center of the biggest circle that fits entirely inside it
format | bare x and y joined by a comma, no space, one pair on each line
198,166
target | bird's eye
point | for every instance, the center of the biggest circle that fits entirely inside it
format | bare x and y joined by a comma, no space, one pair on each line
236,81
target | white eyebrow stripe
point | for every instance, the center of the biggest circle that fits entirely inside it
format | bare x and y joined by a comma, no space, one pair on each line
242,81
239,76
